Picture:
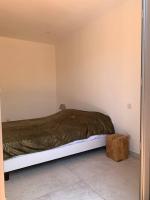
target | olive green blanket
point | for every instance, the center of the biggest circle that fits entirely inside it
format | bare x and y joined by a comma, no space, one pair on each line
29,136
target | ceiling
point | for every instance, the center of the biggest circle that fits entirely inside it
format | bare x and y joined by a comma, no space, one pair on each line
47,20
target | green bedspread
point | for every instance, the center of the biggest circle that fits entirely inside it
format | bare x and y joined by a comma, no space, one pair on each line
29,136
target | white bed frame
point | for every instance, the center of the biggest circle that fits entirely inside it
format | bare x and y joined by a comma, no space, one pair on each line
27,160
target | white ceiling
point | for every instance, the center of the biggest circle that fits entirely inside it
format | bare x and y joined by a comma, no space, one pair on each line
46,20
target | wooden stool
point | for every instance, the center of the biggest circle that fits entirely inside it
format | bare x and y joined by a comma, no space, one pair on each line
117,147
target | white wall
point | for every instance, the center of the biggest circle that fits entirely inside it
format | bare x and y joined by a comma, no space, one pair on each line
98,68
27,79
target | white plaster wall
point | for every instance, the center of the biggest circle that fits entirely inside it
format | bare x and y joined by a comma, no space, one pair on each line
27,79
98,68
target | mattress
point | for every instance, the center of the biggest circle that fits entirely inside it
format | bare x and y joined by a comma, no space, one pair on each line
91,138
71,148
35,135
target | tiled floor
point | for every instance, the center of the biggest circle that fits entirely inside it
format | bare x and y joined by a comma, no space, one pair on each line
87,176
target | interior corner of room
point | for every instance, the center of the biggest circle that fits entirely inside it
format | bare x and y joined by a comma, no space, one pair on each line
96,68
86,61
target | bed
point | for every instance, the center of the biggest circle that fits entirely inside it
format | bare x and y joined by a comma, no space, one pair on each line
68,132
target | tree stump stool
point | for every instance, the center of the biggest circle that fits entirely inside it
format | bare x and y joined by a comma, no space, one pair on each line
117,147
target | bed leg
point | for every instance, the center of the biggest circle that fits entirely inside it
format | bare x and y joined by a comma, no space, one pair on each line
6,175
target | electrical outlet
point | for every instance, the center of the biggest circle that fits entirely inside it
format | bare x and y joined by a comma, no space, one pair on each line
129,106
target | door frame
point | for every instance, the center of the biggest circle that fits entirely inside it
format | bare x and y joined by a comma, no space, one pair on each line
145,101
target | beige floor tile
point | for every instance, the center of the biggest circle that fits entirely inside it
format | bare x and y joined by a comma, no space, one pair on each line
79,191
37,181
85,176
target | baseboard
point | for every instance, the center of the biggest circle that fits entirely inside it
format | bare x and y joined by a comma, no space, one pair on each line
135,155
